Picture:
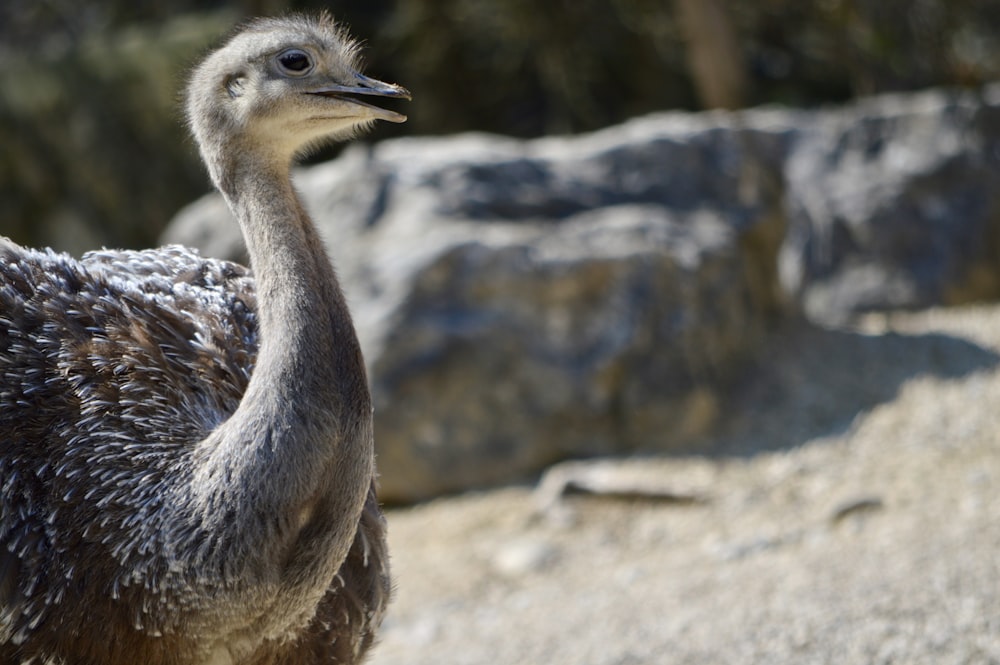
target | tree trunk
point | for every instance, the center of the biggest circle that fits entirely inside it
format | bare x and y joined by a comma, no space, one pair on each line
715,56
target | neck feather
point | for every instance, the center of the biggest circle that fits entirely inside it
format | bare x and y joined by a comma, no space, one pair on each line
300,440
309,353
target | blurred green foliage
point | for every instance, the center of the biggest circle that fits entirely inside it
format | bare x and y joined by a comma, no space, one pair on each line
92,148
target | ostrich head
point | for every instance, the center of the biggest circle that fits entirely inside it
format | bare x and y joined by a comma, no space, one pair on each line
279,86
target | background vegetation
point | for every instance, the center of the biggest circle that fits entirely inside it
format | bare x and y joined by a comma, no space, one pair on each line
93,151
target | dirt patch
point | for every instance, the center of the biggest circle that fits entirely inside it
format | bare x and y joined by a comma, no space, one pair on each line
851,515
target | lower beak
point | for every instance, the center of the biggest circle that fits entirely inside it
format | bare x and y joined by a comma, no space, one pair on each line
368,87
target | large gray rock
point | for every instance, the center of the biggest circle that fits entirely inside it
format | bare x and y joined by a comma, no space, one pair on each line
894,202
523,302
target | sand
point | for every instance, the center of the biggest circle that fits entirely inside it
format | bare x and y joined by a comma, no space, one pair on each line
848,513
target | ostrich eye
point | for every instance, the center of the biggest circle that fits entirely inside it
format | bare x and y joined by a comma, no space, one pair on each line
295,62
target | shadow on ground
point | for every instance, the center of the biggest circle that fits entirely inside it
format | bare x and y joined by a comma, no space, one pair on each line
813,382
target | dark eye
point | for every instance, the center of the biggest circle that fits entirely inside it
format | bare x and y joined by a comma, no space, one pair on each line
295,62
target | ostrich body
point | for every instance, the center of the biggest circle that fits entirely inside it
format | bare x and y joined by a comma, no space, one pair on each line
186,458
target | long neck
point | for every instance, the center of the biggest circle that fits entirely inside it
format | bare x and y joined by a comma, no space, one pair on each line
299,445
309,360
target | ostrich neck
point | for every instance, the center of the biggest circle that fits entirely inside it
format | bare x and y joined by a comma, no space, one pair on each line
301,437
309,356
307,337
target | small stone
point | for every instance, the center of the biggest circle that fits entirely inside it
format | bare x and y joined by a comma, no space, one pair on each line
522,557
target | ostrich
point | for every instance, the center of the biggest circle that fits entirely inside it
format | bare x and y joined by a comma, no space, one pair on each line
186,456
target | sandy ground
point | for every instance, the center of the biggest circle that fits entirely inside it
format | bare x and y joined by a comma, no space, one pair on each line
851,514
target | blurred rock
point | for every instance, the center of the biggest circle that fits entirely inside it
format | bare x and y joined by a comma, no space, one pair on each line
524,302
523,557
894,202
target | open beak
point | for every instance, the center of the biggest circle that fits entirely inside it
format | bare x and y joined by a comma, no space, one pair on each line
367,87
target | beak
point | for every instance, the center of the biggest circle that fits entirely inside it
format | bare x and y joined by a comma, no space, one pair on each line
367,87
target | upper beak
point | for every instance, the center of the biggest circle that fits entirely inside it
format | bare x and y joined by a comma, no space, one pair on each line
368,86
